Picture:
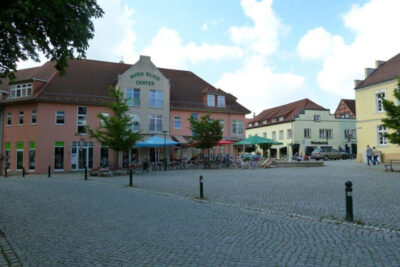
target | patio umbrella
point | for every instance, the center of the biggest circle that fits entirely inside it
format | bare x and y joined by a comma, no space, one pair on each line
257,140
224,142
156,141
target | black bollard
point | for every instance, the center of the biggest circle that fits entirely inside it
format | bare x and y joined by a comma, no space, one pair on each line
349,201
5,172
49,171
23,172
130,177
201,187
85,172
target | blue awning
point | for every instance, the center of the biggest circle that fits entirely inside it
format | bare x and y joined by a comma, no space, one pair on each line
156,141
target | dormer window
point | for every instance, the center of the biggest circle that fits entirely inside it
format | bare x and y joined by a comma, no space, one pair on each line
281,118
264,121
256,123
221,101
273,120
211,100
20,90
250,124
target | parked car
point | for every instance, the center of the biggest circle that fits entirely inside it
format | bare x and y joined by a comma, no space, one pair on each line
328,153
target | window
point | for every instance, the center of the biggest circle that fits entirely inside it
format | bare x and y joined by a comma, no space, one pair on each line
264,121
347,115
135,122
221,101
20,90
317,117
382,139
273,135
21,118
325,133
250,124
321,133
8,155
211,100
307,133
177,122
329,134
132,97
349,133
104,157
195,116
60,118
106,115
20,155
256,123
237,127
222,123
289,133
82,120
265,134
281,118
273,120
281,135
155,124
156,98
9,118
33,117
379,96
59,155
32,156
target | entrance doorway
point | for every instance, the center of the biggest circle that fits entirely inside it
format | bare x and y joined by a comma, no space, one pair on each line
81,155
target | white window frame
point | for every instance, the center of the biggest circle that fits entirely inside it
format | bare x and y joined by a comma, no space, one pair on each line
289,133
256,123
33,115
281,118
60,115
237,127
378,102
317,117
9,117
158,98
281,135
381,140
264,122
20,115
307,133
130,97
273,120
221,100
222,123
20,90
273,135
155,117
211,100
177,119
81,116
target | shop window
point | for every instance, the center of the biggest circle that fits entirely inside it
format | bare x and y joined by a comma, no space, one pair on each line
8,155
20,155
59,155
32,156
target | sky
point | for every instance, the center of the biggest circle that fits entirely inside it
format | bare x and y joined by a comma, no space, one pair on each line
265,52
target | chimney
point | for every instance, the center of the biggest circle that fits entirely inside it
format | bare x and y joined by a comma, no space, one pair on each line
368,71
254,114
145,58
378,63
357,83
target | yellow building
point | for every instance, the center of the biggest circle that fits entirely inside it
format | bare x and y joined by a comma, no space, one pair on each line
301,127
379,83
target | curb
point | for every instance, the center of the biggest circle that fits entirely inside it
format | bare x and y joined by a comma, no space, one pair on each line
11,258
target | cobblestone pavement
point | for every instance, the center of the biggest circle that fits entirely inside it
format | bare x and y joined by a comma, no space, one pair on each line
317,192
70,222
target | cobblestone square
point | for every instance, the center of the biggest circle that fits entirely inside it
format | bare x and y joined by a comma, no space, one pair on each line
250,218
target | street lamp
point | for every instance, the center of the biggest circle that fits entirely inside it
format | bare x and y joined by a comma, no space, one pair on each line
165,149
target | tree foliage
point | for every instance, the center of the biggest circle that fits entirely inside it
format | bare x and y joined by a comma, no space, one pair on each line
206,131
116,131
392,121
58,29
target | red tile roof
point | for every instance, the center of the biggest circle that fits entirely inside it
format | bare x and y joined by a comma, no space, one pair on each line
287,111
385,72
87,81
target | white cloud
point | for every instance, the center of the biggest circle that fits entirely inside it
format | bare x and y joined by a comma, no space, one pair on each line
258,87
262,38
168,50
212,22
375,25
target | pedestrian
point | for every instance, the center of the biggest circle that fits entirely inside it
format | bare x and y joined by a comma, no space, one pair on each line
370,154
376,155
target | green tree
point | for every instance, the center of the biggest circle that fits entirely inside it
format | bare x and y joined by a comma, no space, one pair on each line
392,121
58,29
206,131
116,131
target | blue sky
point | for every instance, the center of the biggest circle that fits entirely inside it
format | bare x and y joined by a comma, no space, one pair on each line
264,52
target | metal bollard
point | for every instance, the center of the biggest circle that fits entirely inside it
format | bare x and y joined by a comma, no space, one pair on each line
5,172
23,172
130,177
349,201
85,172
201,187
49,171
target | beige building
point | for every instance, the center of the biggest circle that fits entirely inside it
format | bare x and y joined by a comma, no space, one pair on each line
301,127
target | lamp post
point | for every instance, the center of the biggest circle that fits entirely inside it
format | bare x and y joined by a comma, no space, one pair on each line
165,149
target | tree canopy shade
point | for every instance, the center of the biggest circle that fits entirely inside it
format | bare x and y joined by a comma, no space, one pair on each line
392,121
116,131
206,131
58,29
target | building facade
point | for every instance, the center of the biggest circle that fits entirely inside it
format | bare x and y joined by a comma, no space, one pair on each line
379,83
301,127
44,117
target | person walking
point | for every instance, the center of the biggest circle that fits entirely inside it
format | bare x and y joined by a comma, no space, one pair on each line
370,154
375,155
